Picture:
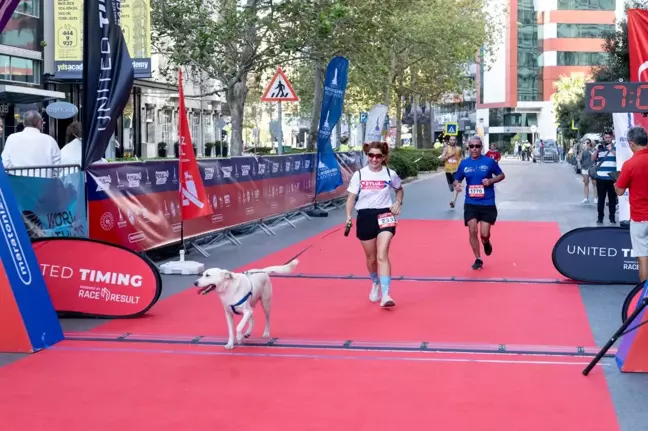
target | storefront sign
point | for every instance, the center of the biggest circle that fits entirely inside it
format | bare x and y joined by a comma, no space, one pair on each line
61,110
134,19
90,278
596,255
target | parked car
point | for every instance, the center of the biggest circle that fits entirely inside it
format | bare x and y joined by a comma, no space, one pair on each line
550,151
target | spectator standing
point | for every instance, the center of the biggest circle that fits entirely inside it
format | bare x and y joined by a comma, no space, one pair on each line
585,164
634,178
32,148
605,159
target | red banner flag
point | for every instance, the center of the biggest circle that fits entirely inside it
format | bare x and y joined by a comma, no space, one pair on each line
192,191
638,50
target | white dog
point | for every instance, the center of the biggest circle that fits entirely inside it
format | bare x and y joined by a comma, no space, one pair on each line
239,293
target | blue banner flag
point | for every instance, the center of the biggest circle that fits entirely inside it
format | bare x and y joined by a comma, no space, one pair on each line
329,175
52,207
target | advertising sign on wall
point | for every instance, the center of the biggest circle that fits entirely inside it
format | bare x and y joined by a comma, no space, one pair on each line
596,255
95,279
135,22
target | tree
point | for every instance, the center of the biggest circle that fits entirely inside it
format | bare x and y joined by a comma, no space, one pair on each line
226,40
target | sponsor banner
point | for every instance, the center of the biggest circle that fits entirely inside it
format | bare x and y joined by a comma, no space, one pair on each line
596,255
90,278
52,206
27,319
328,173
134,20
107,78
137,205
349,163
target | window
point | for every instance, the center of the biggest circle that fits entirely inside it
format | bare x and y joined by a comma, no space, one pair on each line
150,125
506,117
528,52
19,69
586,4
581,58
28,7
166,118
589,31
21,32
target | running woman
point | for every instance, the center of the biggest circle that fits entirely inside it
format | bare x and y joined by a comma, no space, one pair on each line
493,153
480,212
370,194
451,157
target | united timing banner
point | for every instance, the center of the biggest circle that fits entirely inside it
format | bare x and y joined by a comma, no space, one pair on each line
107,78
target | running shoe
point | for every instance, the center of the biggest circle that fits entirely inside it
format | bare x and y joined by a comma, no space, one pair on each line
387,301
374,295
488,248
478,264
452,204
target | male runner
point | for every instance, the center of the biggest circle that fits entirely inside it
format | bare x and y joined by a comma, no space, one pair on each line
451,157
480,212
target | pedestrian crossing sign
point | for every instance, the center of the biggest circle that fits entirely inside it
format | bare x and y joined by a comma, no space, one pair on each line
279,89
452,129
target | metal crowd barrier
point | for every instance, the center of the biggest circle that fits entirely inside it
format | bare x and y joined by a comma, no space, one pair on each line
58,171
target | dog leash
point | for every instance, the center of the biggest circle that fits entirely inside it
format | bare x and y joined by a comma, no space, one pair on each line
306,249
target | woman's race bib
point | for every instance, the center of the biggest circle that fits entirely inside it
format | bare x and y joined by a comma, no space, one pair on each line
386,220
476,191
452,160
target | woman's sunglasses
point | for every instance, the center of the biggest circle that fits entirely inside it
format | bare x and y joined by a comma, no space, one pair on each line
375,156
474,146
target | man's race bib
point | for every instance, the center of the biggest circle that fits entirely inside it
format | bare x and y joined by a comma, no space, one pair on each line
386,220
476,191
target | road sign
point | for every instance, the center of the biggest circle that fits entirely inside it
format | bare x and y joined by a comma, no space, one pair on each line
533,129
279,89
363,117
452,129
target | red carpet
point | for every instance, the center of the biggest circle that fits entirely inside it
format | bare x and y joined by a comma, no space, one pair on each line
190,389
437,248
319,309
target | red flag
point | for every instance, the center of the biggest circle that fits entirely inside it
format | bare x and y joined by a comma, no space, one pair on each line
192,191
638,50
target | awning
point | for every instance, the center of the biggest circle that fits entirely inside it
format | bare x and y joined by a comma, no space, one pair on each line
15,94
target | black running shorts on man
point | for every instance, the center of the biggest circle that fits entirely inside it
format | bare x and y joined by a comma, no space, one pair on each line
367,227
481,213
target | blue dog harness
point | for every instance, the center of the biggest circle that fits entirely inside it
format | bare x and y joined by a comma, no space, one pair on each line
241,302
245,298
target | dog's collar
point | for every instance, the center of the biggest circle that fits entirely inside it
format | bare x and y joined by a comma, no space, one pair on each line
241,302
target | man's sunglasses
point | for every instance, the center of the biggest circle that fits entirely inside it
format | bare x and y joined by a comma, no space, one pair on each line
375,156
474,146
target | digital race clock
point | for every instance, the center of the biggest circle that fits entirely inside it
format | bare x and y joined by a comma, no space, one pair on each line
610,97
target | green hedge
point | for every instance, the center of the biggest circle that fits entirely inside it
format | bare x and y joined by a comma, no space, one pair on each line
408,162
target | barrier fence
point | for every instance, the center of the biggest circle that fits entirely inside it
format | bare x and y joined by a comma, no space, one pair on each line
137,204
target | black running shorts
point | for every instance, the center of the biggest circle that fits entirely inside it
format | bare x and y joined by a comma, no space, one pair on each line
481,213
450,177
367,226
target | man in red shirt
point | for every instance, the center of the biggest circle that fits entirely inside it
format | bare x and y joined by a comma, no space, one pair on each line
634,178
493,153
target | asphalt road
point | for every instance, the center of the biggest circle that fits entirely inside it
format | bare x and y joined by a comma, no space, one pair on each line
531,192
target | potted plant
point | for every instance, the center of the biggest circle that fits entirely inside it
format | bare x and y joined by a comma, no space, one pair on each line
176,149
162,149
208,148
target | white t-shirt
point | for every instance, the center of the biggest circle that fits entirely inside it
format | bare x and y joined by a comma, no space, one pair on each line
374,190
31,148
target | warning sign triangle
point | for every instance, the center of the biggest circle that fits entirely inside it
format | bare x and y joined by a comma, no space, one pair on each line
279,89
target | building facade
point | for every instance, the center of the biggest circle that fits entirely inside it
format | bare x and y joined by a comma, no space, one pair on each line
21,66
150,119
540,41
